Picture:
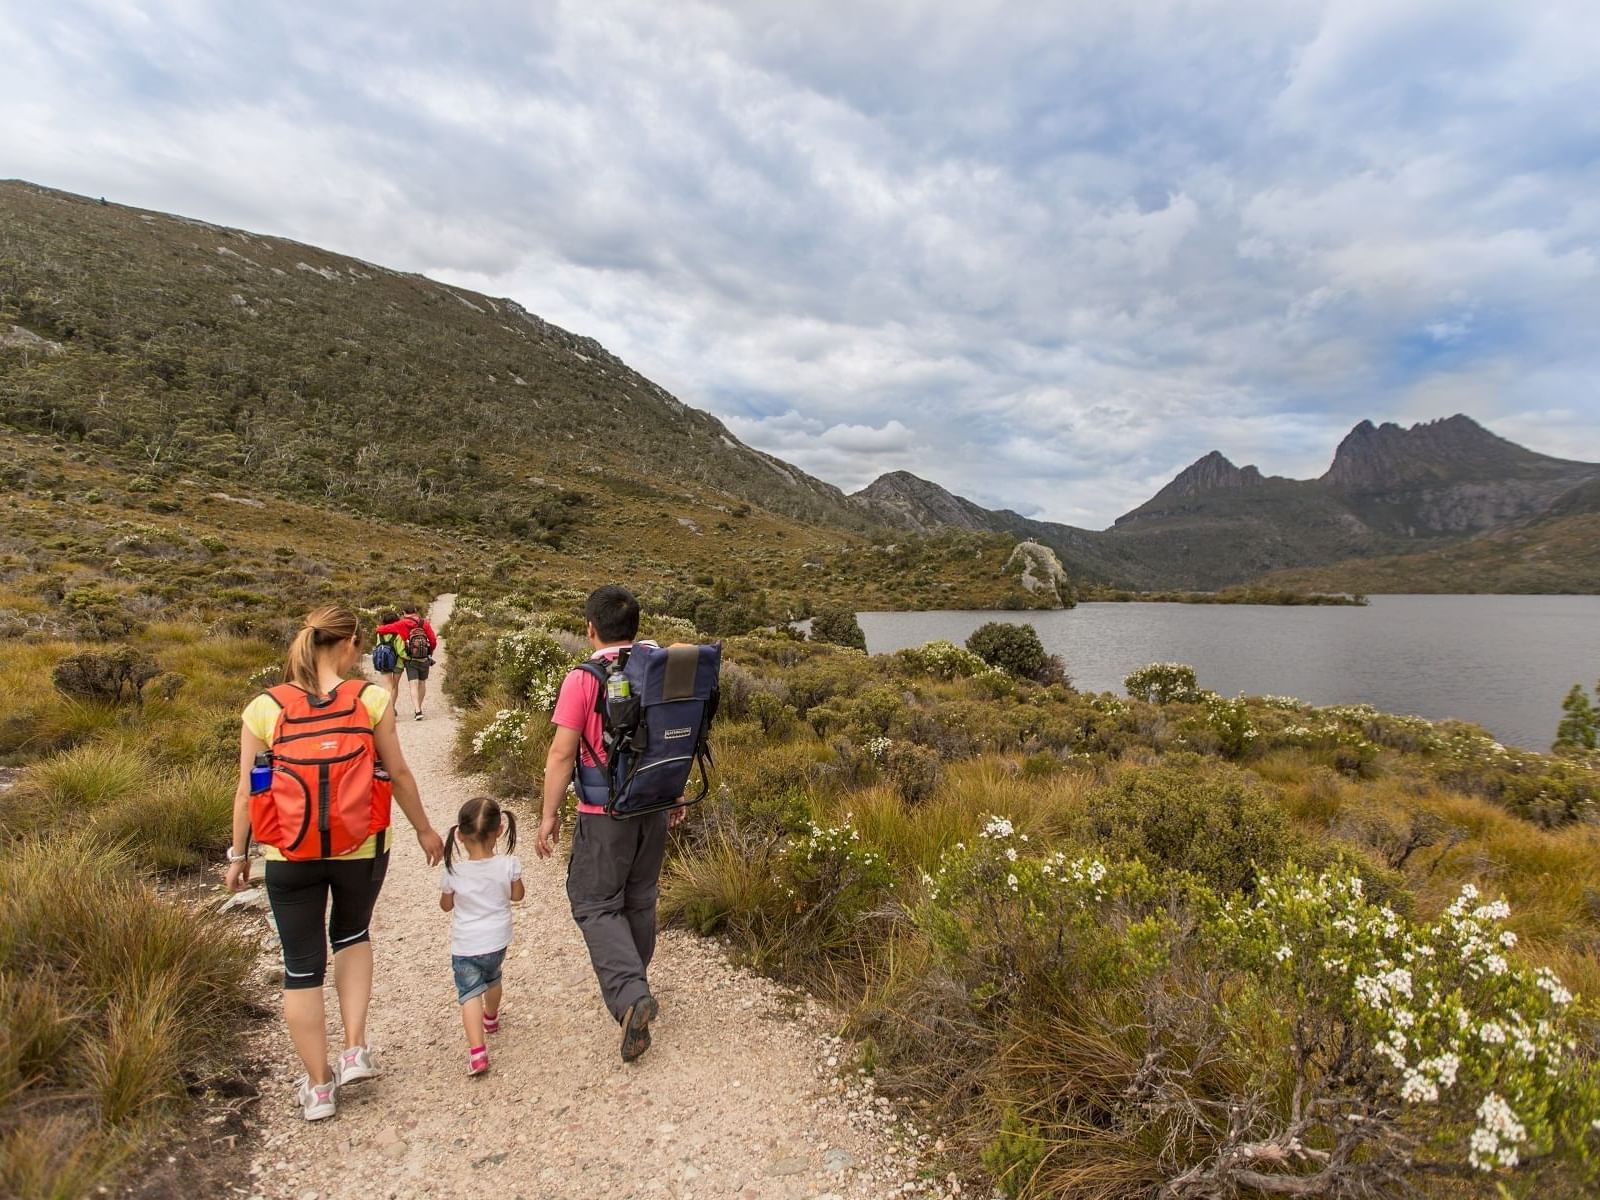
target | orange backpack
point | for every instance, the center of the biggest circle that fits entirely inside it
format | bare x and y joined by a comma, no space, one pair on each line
329,793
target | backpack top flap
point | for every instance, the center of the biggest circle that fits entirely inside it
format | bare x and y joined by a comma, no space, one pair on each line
659,675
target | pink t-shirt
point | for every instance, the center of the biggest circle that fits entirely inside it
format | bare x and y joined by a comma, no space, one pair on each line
575,709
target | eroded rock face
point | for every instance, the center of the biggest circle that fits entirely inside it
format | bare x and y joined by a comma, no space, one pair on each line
1042,572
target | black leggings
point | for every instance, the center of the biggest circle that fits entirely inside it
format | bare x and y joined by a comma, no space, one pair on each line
298,892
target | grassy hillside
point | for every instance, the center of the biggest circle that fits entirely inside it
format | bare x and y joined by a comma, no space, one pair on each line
1556,555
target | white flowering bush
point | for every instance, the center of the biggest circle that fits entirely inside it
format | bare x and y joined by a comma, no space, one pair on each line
1163,683
831,879
504,736
532,664
1450,1048
1230,722
946,660
1303,1039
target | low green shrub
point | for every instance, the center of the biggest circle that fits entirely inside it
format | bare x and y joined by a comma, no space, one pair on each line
1014,649
110,676
838,626
1223,827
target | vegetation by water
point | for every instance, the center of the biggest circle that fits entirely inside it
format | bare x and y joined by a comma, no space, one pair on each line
1177,945
1248,594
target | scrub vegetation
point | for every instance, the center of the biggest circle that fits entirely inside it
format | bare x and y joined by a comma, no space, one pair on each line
1182,945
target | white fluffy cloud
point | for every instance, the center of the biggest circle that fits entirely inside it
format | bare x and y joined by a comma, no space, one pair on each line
1043,254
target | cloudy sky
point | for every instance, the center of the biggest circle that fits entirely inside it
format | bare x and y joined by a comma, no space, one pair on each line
1044,254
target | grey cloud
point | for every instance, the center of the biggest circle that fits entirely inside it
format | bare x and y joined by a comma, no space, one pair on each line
1045,255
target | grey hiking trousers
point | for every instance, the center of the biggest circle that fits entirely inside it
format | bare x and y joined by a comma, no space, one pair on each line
613,878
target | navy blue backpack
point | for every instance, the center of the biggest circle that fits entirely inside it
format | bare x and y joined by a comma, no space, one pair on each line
656,706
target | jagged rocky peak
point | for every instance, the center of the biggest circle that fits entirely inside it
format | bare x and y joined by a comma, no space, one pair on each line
1376,456
1213,473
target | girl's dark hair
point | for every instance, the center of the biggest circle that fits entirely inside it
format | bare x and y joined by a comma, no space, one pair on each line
479,821
387,616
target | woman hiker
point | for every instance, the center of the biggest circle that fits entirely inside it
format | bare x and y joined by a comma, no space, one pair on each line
314,793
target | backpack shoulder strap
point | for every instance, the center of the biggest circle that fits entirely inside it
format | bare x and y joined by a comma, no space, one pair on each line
592,668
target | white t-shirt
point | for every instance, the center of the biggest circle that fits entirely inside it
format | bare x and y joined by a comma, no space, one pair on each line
482,889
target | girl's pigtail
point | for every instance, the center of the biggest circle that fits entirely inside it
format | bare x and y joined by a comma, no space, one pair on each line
449,844
511,829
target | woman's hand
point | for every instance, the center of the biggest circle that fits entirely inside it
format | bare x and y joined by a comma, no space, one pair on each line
237,877
432,845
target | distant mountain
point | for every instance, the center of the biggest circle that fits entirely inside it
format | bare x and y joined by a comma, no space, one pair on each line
910,502
1389,492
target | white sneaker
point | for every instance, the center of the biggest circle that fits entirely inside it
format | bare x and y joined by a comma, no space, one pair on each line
354,1065
317,1100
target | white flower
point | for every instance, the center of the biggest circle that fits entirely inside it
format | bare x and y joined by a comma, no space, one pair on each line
1283,954
997,827
1492,1033
1011,882
1011,854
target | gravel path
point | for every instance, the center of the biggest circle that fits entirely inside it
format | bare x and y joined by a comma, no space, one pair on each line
738,1096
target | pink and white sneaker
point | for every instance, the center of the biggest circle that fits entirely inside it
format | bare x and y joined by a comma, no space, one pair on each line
477,1060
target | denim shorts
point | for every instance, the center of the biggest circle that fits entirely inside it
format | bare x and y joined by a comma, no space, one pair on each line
476,973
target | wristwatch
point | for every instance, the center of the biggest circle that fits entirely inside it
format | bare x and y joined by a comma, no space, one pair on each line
233,858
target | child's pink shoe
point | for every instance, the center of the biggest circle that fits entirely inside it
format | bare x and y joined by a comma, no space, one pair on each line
477,1060
491,1022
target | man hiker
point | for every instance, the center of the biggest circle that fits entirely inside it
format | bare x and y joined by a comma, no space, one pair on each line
615,869
417,644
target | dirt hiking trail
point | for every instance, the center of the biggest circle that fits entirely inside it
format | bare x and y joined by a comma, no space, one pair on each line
737,1097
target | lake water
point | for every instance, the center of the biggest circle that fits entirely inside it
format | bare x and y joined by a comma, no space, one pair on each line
1503,662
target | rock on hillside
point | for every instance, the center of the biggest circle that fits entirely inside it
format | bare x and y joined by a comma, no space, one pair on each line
1042,573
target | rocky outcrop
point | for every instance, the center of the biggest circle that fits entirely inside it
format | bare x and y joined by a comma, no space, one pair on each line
1042,573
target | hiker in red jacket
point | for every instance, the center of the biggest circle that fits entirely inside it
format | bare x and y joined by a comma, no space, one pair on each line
417,644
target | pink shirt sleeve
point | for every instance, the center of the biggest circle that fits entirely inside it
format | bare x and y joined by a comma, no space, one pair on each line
575,701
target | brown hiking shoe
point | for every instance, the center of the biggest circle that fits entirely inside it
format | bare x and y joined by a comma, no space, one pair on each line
636,1028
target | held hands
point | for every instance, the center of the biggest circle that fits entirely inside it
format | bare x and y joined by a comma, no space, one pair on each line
432,845
549,834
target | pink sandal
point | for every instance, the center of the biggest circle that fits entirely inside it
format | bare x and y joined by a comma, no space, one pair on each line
477,1060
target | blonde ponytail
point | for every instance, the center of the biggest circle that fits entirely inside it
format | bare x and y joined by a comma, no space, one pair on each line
324,627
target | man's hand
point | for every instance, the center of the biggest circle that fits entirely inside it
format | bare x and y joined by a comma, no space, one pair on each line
677,815
432,845
544,842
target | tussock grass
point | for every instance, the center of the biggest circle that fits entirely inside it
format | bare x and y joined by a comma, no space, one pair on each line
112,1003
67,791
178,820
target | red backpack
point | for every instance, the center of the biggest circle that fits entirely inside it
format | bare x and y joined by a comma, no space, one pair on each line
328,792
418,647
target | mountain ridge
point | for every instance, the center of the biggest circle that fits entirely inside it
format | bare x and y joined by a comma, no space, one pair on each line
1216,524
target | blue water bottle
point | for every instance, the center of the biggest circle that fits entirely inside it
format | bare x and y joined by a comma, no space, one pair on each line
261,774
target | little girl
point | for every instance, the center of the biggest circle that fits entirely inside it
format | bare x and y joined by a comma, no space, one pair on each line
479,892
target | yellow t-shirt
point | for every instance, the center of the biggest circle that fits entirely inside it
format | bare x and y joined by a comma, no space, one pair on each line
261,719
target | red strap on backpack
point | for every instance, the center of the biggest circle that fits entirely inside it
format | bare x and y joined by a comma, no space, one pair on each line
324,800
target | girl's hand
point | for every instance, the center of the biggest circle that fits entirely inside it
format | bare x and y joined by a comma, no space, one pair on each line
237,877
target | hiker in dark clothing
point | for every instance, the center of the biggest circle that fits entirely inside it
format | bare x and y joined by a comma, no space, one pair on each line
614,872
